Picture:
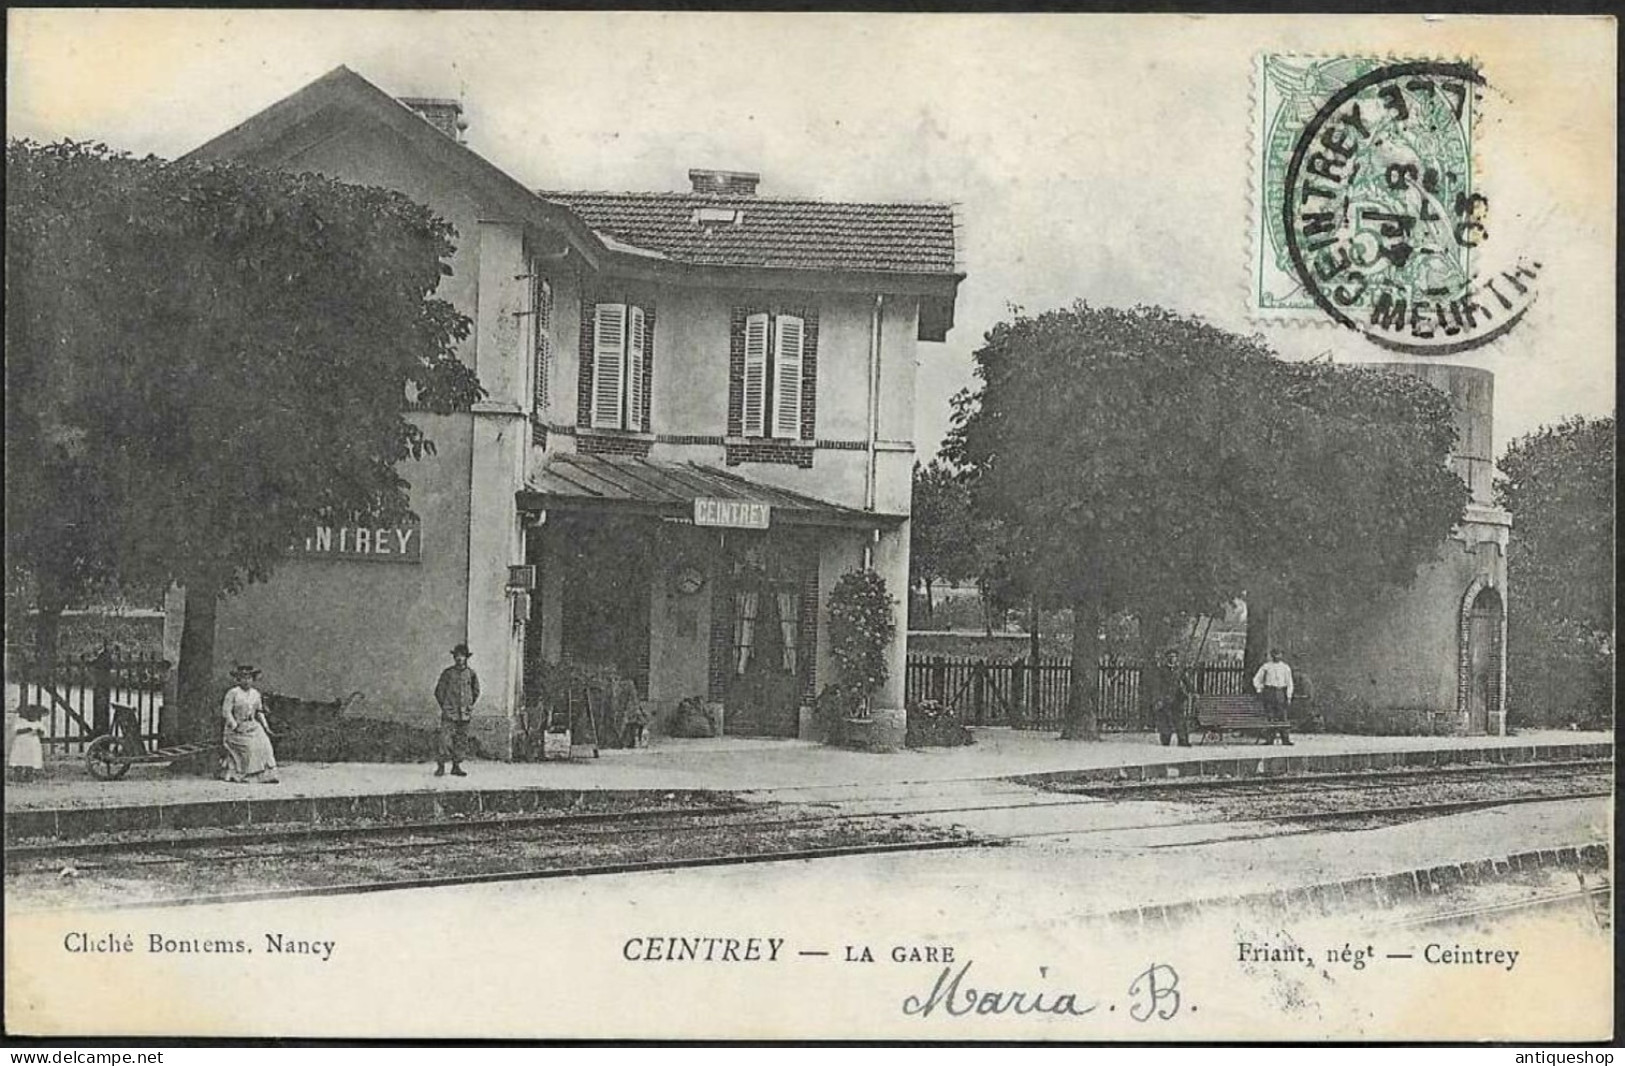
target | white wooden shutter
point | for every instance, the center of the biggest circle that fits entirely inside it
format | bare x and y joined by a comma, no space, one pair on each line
788,337
542,341
608,365
756,375
634,368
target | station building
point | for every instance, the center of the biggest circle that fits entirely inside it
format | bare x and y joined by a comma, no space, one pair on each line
699,416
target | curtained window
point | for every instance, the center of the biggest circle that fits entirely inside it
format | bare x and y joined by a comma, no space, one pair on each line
786,601
746,603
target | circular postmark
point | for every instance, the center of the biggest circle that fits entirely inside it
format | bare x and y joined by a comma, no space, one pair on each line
1384,224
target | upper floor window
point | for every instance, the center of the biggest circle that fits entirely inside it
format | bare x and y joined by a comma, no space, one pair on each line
617,363
773,374
541,302
541,353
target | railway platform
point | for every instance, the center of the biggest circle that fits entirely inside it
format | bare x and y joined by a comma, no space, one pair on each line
69,802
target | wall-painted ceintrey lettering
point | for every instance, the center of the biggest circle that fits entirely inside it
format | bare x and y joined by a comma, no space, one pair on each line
384,544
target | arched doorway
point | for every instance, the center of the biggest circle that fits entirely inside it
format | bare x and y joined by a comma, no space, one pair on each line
1480,681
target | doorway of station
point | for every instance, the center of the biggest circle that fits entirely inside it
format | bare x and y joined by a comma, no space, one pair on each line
590,611
767,608
1484,651
604,616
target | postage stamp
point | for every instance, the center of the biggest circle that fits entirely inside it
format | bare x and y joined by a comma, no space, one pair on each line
1287,91
1368,211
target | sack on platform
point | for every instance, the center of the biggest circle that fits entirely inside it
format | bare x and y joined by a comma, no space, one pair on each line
692,719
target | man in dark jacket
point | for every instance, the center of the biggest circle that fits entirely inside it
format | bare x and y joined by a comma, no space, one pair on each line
1167,692
457,691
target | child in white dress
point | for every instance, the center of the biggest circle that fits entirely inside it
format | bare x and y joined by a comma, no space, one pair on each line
28,744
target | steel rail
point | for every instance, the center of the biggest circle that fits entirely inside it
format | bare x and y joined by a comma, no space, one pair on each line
597,870
283,833
1590,894
1413,811
130,854
1341,776
1307,790
643,866
549,829
725,859
740,815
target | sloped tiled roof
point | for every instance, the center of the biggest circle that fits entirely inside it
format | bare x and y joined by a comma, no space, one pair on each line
912,243
903,238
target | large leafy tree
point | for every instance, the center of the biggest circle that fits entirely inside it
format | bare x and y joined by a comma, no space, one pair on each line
1149,463
203,359
948,540
1558,482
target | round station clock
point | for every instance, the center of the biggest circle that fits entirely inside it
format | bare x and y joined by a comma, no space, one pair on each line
689,580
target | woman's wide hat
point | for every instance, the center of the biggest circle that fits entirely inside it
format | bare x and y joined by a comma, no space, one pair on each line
462,649
245,670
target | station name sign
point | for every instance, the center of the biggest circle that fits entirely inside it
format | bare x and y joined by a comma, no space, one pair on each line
382,544
731,514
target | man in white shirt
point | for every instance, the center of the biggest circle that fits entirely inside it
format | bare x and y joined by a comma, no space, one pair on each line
1274,683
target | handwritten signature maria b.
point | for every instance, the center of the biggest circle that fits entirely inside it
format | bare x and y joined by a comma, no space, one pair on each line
1154,993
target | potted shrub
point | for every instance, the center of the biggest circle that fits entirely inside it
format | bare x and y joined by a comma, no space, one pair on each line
860,633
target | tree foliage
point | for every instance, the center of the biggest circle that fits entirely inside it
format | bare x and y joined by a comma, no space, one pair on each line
1558,482
205,359
1147,462
949,541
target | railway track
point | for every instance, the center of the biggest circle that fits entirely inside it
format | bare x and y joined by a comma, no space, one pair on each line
1362,818
1347,799
1596,898
348,859
422,834
153,874
382,830
537,874
1323,781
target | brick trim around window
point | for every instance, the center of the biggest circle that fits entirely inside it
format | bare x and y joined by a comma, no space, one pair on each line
602,442
584,375
763,450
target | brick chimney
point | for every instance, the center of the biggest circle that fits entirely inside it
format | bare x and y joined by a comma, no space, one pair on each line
444,115
724,182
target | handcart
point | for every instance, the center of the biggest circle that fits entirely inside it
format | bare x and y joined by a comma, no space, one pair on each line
111,755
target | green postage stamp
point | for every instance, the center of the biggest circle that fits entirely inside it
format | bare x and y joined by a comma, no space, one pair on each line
1366,211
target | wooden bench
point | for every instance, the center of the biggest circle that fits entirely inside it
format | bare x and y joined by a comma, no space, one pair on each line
1218,715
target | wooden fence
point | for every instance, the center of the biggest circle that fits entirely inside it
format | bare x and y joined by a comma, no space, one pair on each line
78,693
1016,694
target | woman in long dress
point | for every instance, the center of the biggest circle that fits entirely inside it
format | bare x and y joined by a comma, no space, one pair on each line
247,739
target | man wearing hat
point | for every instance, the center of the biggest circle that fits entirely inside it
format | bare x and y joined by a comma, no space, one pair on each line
457,691
1169,694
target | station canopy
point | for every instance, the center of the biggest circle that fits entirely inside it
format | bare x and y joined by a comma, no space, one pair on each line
614,484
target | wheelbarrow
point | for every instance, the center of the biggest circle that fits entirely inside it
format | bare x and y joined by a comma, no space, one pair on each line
111,755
